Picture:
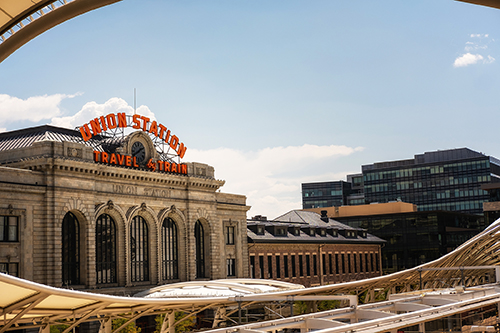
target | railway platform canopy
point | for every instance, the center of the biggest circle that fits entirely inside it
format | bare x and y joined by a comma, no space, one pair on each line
461,282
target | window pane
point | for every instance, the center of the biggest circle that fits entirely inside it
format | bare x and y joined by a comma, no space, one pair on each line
2,228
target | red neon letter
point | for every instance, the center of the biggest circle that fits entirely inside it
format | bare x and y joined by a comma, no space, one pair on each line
153,129
112,160
103,124
120,159
122,119
110,118
128,160
182,150
135,162
145,123
167,136
96,155
135,120
184,169
104,157
85,130
174,142
96,127
162,130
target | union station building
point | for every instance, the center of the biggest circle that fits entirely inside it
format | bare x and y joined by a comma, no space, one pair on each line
109,207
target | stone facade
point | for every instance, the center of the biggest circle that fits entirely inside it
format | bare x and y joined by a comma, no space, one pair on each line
44,181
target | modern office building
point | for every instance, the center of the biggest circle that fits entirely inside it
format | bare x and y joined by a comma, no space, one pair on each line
448,180
491,208
413,237
310,249
114,212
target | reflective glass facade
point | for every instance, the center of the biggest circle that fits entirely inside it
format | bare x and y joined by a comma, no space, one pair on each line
325,194
447,180
416,238
454,186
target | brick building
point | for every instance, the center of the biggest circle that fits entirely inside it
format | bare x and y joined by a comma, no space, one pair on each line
114,213
311,249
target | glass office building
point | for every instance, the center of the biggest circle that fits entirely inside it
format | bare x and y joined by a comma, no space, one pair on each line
447,180
415,238
325,194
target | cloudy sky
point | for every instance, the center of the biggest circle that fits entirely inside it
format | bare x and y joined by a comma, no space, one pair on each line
273,93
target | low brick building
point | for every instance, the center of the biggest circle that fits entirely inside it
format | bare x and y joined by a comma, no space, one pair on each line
114,213
311,249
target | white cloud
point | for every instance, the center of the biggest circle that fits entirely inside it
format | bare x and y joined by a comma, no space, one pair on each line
489,60
34,109
467,59
271,177
479,35
475,52
93,110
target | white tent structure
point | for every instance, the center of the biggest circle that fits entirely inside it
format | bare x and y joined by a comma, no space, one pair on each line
477,262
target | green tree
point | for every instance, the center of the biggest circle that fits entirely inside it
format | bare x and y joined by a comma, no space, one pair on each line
58,328
130,328
183,326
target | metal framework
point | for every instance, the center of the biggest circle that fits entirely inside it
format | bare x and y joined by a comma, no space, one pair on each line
475,262
111,138
23,20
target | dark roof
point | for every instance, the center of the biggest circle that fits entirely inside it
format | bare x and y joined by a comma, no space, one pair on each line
439,156
304,219
27,136
311,218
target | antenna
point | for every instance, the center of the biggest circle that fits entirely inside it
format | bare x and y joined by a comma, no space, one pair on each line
134,102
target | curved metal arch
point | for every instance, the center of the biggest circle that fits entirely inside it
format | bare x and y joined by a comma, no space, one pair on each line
23,20
487,3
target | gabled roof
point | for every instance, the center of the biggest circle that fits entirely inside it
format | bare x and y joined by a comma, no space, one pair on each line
311,218
305,219
26,137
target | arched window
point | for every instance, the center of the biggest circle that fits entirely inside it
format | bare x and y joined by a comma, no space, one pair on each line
70,250
200,250
105,249
169,249
139,250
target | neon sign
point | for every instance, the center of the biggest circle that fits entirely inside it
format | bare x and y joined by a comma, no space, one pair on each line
120,120
131,161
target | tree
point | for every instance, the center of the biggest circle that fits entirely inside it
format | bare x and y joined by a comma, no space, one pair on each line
183,326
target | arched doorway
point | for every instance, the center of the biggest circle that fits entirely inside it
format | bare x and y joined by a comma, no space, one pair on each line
70,250
200,250
139,250
105,248
169,250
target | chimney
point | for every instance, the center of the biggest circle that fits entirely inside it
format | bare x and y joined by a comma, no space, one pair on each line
324,216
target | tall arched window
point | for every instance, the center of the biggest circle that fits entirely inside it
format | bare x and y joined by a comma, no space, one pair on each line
169,249
105,249
200,250
70,250
139,250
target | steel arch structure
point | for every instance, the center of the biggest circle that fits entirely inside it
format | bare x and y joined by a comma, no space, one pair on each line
30,304
23,20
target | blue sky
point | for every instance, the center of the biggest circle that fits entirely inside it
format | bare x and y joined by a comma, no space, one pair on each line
273,93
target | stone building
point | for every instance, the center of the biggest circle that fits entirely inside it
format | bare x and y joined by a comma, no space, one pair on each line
311,249
112,211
